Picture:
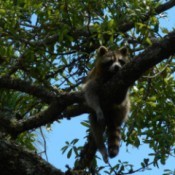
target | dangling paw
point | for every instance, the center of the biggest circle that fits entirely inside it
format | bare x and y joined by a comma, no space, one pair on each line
100,116
104,154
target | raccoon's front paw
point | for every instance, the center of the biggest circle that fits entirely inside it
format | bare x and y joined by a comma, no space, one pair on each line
104,153
100,116
105,159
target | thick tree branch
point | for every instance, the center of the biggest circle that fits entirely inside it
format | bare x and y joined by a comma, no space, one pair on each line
165,6
134,70
51,114
16,160
125,78
27,87
153,55
14,127
37,91
7,121
62,104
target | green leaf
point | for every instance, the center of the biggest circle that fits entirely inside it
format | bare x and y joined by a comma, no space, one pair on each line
143,165
75,151
148,41
67,143
153,98
64,60
69,153
64,149
86,124
74,141
146,162
152,104
165,30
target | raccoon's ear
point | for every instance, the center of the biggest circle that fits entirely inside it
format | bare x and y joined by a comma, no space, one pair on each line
124,51
102,50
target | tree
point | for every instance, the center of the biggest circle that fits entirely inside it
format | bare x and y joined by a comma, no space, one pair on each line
47,48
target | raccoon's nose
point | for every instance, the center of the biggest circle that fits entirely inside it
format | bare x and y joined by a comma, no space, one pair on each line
116,68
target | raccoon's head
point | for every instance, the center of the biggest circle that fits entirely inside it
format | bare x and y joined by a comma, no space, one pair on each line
110,62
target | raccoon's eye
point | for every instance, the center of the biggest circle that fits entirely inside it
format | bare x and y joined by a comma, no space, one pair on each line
108,63
122,62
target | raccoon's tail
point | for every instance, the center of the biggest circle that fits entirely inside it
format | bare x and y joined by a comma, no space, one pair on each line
114,137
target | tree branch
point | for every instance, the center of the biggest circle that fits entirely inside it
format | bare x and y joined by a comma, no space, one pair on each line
120,82
16,160
122,28
153,55
51,114
87,154
134,70
131,72
161,8
27,87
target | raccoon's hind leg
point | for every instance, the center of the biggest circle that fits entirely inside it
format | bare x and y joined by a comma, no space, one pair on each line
98,131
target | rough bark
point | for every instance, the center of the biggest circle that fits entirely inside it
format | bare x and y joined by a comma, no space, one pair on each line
16,160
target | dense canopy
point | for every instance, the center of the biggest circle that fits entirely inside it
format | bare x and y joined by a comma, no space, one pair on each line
46,50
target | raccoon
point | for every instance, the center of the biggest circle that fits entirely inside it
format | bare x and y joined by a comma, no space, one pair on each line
106,119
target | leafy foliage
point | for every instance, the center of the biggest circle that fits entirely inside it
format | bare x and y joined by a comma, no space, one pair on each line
51,44
152,119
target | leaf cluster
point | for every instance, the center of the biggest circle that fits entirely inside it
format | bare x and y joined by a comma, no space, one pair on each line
46,51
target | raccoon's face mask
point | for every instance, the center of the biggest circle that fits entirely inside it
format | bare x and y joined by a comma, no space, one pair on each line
113,61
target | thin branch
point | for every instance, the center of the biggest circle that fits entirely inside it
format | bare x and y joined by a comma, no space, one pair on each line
161,71
138,170
161,8
45,143
126,26
150,57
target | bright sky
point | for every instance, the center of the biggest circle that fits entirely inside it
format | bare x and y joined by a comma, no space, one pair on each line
68,130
